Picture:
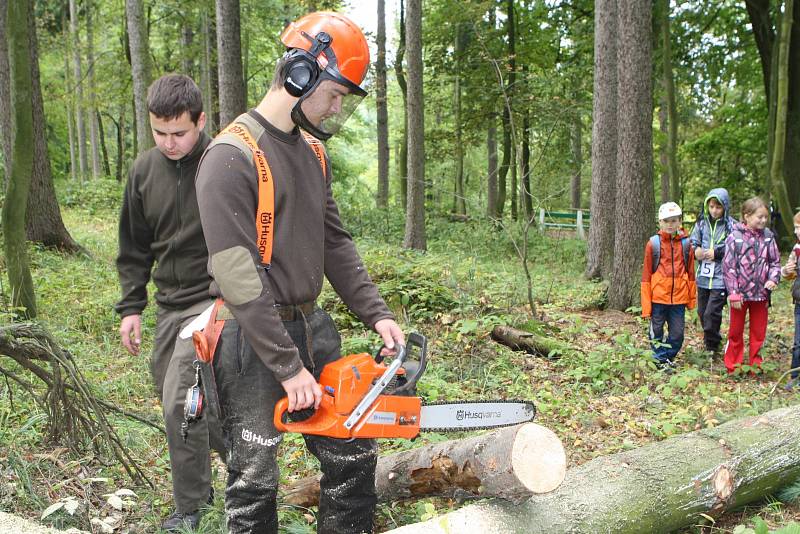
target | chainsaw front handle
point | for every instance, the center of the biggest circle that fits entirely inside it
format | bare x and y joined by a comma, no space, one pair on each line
421,342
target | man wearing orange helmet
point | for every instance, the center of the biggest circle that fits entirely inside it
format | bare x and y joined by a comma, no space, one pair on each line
273,232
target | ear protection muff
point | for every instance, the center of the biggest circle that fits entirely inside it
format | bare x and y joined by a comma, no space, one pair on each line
301,70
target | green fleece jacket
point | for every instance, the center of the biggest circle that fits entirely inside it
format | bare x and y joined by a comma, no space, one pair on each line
160,224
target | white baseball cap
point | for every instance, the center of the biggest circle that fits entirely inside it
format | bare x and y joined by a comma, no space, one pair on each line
667,210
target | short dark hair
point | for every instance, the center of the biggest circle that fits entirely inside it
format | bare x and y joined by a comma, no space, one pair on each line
172,95
278,76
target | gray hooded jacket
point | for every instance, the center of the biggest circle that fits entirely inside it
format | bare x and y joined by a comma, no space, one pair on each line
710,233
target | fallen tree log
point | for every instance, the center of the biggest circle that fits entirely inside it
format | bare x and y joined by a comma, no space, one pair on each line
657,488
529,342
511,463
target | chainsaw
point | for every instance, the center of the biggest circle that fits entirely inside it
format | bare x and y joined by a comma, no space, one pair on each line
363,397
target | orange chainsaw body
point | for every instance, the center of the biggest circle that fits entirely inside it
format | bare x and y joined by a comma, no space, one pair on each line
344,384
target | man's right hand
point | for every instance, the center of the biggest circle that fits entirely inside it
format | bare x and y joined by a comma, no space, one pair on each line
130,331
302,391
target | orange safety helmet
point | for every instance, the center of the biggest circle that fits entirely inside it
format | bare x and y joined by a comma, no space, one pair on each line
324,46
348,44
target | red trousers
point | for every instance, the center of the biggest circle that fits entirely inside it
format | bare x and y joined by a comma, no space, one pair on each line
734,351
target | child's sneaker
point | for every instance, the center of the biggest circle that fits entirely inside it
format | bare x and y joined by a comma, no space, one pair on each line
791,384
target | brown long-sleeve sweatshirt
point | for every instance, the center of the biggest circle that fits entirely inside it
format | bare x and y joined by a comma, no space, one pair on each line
309,240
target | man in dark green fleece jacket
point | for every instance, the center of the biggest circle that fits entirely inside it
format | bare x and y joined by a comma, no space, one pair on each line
160,224
276,341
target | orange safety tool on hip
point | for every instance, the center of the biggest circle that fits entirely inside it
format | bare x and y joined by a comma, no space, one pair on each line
205,341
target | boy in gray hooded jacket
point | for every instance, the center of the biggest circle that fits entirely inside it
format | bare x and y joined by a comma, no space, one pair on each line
708,243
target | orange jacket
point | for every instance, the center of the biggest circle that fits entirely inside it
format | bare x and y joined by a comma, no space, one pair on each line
673,282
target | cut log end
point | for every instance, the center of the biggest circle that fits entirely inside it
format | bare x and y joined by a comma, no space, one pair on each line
538,458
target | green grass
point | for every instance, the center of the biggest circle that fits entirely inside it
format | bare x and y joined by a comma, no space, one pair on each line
602,397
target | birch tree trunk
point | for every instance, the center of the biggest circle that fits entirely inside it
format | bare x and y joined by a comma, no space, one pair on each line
80,126
600,255
229,61
576,143
381,104
662,487
16,201
635,210
415,211
140,66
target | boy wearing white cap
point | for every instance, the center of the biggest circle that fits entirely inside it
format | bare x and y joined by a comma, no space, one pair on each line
668,284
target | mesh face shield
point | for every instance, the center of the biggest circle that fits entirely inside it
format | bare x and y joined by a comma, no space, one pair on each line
326,107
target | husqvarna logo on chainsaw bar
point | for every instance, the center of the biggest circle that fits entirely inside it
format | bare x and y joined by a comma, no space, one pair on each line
462,415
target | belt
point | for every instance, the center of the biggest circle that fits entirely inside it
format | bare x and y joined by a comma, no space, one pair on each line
294,312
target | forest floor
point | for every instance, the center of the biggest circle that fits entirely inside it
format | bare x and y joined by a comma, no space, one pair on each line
601,397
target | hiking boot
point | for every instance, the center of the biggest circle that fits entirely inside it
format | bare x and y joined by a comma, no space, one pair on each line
180,520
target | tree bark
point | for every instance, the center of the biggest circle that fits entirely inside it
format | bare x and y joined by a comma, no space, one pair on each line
6,126
525,166
600,255
94,127
381,105
80,125
576,143
491,143
459,203
402,163
103,147
672,112
781,111
662,156
529,342
70,108
187,52
206,74
634,217
661,487
16,200
415,211
229,61
140,65
509,159
511,463
43,222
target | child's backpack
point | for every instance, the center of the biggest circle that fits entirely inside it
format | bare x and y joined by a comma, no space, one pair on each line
655,245
738,241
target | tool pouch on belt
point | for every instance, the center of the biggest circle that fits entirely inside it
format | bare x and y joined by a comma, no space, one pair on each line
205,345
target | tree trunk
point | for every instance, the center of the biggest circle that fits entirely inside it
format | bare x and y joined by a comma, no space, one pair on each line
43,223
765,37
576,143
634,217
511,463
70,108
402,163
672,112
525,166
491,143
77,70
662,487
16,200
381,104
781,111
662,126
600,255
120,124
206,74
6,126
529,342
509,159
415,210
94,127
229,62
459,204
103,147
187,52
140,65
514,188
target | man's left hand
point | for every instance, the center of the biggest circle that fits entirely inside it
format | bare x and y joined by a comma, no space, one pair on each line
391,335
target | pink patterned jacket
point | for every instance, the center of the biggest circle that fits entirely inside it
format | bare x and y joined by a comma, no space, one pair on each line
751,259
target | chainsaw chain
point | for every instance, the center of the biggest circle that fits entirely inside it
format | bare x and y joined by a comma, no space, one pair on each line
471,428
